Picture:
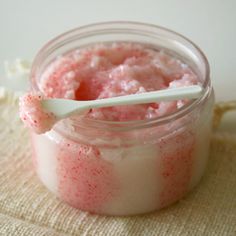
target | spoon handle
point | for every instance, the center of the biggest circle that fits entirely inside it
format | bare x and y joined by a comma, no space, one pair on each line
171,94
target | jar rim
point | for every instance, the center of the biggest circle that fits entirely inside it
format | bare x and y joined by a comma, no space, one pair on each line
85,30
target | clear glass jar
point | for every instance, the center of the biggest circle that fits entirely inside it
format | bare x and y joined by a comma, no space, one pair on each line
125,168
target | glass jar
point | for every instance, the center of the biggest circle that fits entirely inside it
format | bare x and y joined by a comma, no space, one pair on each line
125,168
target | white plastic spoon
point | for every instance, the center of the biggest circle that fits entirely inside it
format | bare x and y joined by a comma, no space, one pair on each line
63,108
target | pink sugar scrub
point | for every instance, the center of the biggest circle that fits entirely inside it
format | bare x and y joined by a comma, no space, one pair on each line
33,115
103,71
102,168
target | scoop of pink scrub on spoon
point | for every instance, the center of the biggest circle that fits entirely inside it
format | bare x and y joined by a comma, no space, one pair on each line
63,108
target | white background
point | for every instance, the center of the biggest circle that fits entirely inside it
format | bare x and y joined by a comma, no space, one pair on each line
26,25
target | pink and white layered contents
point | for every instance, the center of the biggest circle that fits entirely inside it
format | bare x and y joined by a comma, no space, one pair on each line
114,175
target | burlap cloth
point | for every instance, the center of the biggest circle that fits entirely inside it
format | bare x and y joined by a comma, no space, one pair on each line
28,208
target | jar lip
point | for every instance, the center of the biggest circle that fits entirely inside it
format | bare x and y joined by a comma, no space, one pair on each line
134,124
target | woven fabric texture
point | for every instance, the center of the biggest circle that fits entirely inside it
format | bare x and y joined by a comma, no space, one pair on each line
28,208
